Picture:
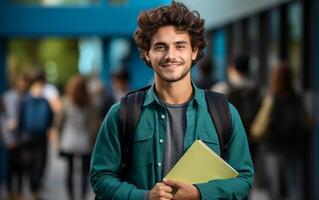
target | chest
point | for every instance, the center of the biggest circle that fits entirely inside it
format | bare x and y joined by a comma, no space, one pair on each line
150,135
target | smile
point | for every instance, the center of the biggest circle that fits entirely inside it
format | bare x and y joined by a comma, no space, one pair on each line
171,65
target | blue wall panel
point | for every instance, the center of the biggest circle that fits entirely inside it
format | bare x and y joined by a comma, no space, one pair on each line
96,20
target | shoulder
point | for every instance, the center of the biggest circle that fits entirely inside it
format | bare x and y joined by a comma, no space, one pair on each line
234,113
111,117
232,108
50,91
9,96
114,110
109,125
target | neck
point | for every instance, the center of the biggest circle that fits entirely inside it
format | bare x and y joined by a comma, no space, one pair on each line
174,92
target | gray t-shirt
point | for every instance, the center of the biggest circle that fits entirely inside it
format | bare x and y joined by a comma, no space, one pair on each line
176,124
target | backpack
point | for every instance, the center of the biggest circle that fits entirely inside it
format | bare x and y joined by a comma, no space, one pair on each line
131,108
36,116
247,101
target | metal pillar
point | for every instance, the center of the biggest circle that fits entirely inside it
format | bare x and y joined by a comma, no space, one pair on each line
105,70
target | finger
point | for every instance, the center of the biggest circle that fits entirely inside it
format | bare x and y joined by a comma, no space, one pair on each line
171,182
166,188
160,184
161,195
166,195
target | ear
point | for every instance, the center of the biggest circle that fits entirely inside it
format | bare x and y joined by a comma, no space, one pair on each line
194,53
146,56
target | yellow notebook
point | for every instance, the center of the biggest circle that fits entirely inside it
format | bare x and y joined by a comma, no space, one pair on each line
200,164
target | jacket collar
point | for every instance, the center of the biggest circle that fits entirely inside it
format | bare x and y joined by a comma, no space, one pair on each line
151,96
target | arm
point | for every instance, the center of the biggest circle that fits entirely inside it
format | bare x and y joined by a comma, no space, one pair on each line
239,158
106,163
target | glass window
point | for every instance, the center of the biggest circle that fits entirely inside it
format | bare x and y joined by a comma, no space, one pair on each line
219,51
90,55
253,39
274,39
237,39
295,41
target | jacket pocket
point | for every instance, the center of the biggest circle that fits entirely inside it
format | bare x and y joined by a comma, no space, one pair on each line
211,140
143,148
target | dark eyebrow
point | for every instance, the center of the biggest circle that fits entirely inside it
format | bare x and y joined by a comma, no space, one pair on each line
162,43
181,42
159,43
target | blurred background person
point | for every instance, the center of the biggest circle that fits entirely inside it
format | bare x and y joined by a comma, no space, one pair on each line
35,120
205,80
12,101
77,129
120,79
49,91
96,91
242,92
282,127
120,83
52,95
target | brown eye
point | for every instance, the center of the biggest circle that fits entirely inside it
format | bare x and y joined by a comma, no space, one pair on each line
180,46
159,47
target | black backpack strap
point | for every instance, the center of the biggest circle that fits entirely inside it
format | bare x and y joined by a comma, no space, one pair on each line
129,114
220,113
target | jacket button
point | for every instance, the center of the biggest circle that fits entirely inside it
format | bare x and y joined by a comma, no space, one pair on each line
161,141
159,164
163,116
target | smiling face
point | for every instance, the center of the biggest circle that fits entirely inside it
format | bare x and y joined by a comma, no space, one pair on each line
171,54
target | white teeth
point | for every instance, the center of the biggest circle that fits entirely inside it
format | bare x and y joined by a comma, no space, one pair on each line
170,64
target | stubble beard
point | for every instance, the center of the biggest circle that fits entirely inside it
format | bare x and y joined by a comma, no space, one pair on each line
172,79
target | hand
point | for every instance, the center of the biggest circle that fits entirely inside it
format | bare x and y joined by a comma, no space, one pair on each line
184,191
161,191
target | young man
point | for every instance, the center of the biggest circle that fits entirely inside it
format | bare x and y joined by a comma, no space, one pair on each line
174,115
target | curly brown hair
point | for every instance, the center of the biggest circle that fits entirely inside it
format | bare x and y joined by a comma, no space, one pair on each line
178,15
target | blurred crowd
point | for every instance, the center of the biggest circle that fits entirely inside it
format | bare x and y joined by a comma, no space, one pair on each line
34,114
277,124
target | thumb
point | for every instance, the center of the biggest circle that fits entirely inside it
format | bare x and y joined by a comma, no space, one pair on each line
171,182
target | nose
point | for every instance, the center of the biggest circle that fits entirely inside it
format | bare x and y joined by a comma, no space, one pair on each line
170,53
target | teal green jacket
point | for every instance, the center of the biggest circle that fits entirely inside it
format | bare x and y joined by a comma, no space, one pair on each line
148,152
